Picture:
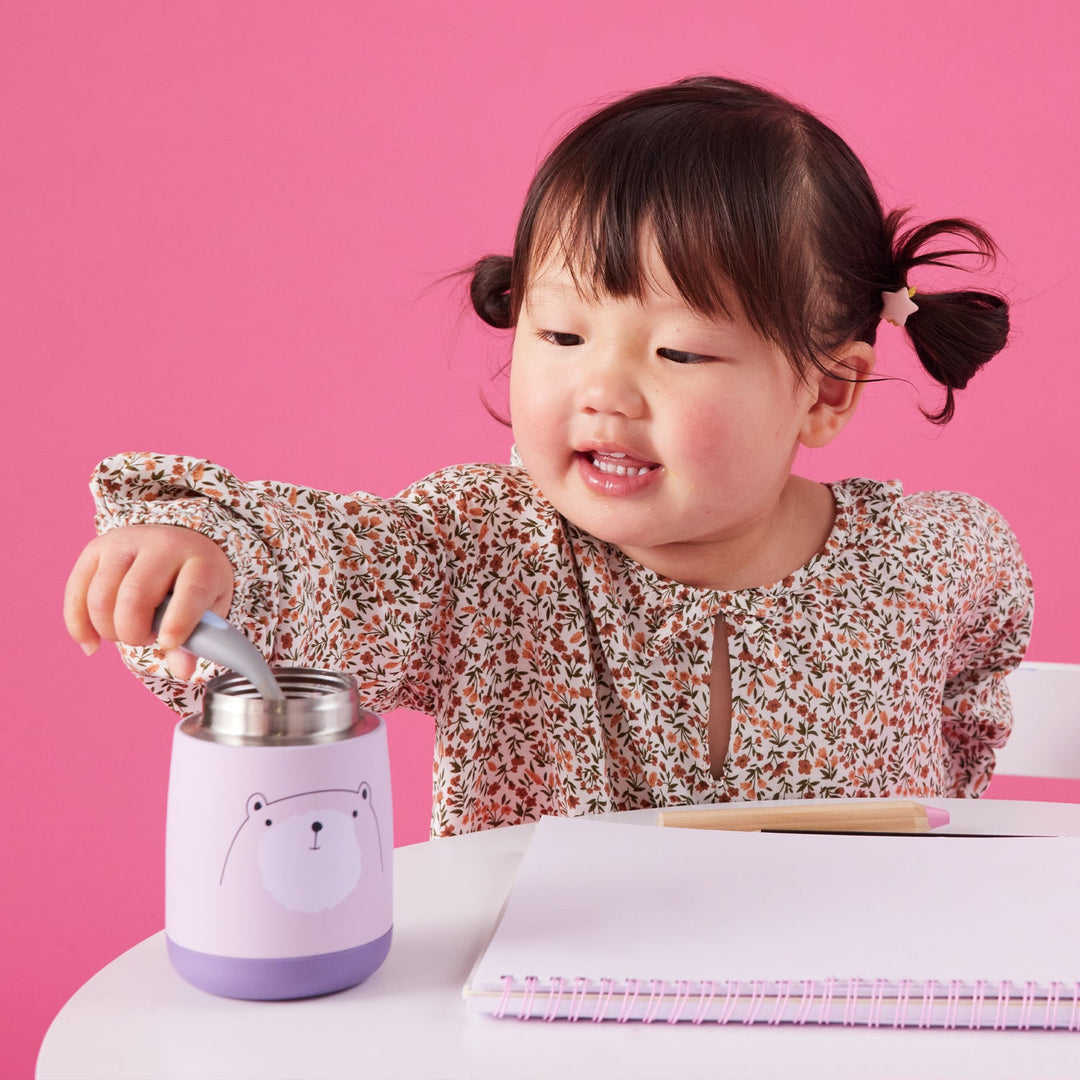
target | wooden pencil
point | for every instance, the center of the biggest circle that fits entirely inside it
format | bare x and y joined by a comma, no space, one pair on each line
818,815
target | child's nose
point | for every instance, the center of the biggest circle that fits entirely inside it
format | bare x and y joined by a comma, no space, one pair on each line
609,385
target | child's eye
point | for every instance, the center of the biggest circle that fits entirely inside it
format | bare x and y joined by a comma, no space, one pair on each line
676,356
557,337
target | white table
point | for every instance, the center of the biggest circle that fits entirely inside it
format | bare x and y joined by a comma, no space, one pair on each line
137,1019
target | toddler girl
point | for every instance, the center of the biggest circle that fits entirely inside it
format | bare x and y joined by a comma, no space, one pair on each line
647,608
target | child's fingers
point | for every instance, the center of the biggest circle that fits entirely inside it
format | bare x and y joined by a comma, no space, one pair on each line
121,578
76,617
181,664
200,586
103,593
143,586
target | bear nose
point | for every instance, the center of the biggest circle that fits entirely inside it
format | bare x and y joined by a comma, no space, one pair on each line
316,826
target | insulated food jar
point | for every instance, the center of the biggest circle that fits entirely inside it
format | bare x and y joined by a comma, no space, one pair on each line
279,839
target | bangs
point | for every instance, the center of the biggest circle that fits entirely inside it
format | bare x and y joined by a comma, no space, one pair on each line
599,224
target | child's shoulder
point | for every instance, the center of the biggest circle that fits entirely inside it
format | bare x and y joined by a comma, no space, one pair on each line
476,480
938,521
480,491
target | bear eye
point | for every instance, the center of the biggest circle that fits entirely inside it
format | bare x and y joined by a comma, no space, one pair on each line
356,813
269,822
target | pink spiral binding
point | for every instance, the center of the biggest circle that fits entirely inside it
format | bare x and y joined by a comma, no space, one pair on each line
730,1001
952,1003
877,998
977,998
783,993
508,986
577,998
851,1002
682,996
1001,1014
555,995
630,996
1020,1007
1050,1008
927,1012
656,999
826,1000
1027,1006
705,1000
807,1002
903,995
603,999
531,982
757,999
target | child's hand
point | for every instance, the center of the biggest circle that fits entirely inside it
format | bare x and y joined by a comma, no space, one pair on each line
121,577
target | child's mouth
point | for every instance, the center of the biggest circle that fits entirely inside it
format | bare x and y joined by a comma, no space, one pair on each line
615,473
620,464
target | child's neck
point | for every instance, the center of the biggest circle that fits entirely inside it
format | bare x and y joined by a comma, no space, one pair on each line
764,554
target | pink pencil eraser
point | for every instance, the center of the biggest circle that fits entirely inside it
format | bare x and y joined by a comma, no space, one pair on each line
936,817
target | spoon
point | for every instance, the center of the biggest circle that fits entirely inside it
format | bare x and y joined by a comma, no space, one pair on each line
219,641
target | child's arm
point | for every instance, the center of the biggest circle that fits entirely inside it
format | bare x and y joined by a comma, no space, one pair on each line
352,583
122,576
993,635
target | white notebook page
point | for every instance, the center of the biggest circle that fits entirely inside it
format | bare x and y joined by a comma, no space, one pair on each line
604,900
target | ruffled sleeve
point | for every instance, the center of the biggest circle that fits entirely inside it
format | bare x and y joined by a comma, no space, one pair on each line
993,631
353,583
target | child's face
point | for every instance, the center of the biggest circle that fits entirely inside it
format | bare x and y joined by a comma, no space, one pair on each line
667,434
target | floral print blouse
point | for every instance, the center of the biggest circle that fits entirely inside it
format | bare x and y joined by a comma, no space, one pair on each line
566,679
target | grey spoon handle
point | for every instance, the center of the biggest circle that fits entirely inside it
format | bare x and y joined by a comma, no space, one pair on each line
222,643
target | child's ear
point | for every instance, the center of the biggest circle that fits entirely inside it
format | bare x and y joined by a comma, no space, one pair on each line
839,388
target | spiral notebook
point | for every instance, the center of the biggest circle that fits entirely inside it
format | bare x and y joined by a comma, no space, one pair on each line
620,922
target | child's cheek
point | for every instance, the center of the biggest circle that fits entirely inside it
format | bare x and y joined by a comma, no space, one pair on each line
704,443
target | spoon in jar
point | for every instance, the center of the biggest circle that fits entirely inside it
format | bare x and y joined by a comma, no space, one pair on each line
219,641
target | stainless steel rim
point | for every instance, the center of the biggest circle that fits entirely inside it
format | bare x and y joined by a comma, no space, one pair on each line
319,706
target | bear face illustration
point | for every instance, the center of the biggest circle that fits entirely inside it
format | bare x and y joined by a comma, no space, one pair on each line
310,849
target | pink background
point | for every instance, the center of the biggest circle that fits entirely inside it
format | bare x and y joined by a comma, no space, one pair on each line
226,229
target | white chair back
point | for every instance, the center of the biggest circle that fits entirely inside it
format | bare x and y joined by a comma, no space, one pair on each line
1045,740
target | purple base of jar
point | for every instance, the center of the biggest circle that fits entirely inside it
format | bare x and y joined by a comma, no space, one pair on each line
279,979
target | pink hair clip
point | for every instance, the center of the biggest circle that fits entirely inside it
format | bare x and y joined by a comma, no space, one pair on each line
897,306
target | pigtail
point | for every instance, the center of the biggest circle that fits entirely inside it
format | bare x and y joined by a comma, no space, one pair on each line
489,290
954,333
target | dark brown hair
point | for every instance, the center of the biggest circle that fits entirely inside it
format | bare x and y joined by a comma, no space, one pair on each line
748,196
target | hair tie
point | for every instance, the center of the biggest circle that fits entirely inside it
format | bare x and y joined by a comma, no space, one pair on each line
897,306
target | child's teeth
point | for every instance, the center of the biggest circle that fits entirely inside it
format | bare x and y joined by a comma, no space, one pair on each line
617,470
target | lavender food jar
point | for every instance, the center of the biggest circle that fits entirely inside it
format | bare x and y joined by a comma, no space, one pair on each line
279,840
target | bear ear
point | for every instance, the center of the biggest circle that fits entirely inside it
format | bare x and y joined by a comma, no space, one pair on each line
255,803
364,791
